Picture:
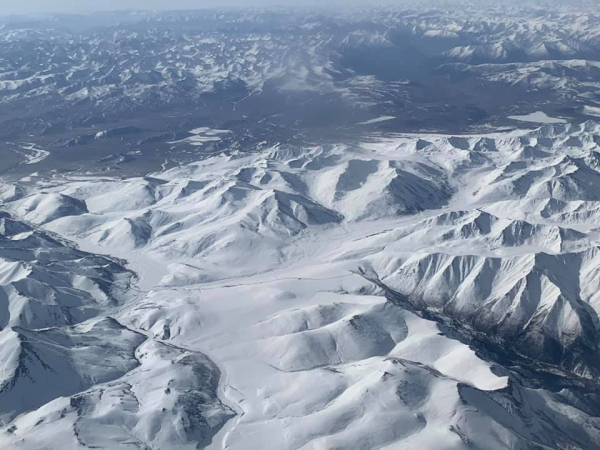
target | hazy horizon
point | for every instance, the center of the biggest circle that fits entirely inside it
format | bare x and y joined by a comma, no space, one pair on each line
8,7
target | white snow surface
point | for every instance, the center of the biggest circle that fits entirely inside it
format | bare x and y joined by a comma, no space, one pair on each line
377,120
32,153
537,117
280,298
592,111
200,136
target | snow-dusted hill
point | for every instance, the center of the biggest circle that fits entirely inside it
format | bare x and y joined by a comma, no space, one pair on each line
409,291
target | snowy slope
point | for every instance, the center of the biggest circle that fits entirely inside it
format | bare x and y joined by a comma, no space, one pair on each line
410,291
62,352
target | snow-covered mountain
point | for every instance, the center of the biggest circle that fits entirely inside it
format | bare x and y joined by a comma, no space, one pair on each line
406,291
64,358
122,91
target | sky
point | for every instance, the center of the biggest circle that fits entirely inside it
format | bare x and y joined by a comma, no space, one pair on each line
36,6
39,6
